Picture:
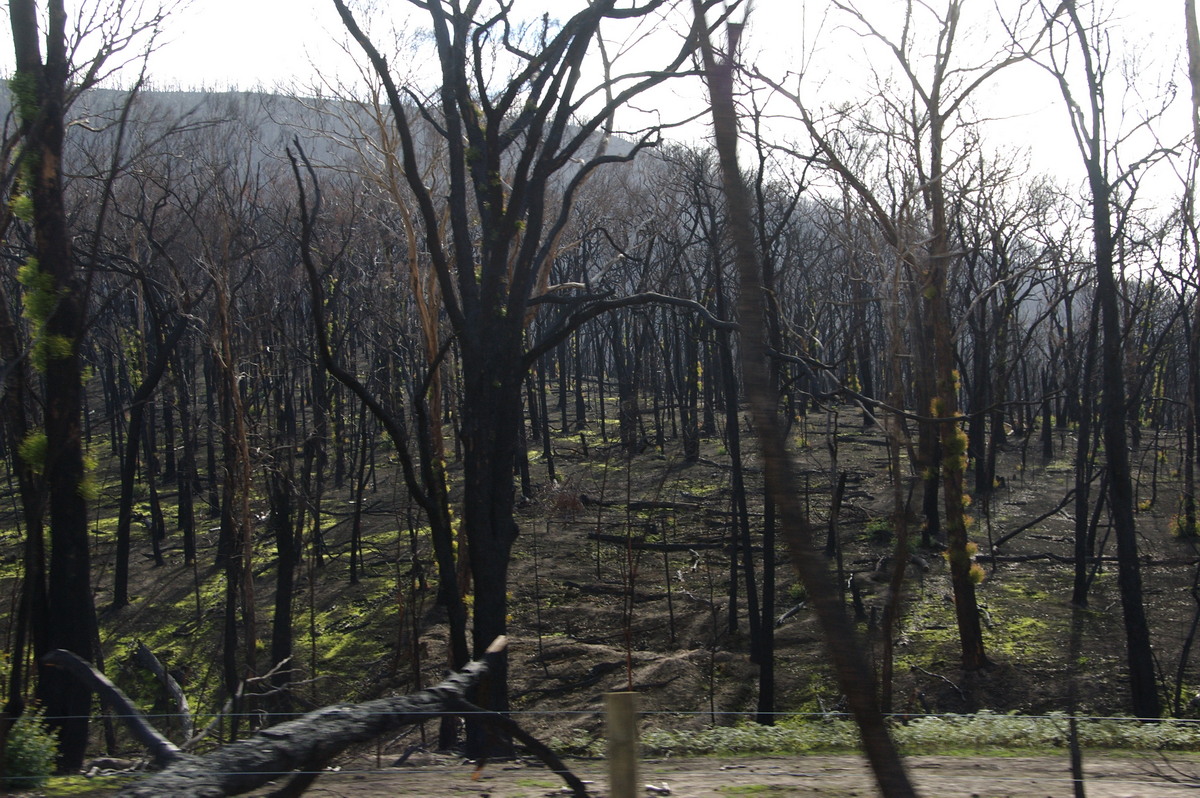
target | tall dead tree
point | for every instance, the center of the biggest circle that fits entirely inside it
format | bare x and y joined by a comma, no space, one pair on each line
55,297
782,484
1192,230
1089,123
55,304
513,112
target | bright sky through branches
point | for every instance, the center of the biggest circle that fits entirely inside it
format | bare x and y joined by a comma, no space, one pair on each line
269,44
219,44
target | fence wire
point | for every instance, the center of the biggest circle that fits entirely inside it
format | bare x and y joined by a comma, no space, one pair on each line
1159,770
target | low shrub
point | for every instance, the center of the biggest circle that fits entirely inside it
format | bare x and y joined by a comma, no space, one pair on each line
31,753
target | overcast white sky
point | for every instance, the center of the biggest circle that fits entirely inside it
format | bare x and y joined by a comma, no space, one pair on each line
263,44
247,44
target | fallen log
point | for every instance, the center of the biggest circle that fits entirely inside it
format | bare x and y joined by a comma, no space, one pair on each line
1060,558
622,591
144,657
640,506
642,544
162,751
1023,527
300,749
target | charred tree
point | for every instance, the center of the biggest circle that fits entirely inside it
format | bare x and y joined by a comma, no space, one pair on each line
53,286
849,663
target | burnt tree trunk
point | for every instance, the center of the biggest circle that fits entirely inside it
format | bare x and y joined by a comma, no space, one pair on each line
281,495
1084,469
491,419
850,665
1114,410
31,621
187,476
51,278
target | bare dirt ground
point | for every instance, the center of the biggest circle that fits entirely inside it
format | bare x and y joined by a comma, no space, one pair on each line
591,612
594,606
835,776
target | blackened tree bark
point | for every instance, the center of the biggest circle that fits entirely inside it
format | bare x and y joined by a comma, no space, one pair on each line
689,375
281,500
53,286
628,337
31,622
1085,468
1088,123
184,366
1143,684
945,405
580,403
741,550
510,145
425,479
1188,498
235,539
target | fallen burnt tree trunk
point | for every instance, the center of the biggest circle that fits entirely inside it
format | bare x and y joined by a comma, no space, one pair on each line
300,749
621,591
642,544
144,657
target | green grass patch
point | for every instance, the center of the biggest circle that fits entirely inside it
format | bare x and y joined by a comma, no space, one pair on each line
63,786
539,783
984,732
750,738
1024,591
930,624
105,526
1023,637
11,568
694,488
750,789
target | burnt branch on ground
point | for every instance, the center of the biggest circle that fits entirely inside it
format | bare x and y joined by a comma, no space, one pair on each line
300,749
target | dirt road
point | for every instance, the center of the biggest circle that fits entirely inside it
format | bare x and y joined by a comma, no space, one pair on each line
1132,776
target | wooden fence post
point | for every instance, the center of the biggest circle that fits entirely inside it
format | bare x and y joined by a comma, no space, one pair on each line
621,721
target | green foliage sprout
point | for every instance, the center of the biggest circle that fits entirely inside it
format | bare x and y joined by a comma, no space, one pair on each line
22,207
23,86
39,299
33,450
89,487
31,753
39,285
